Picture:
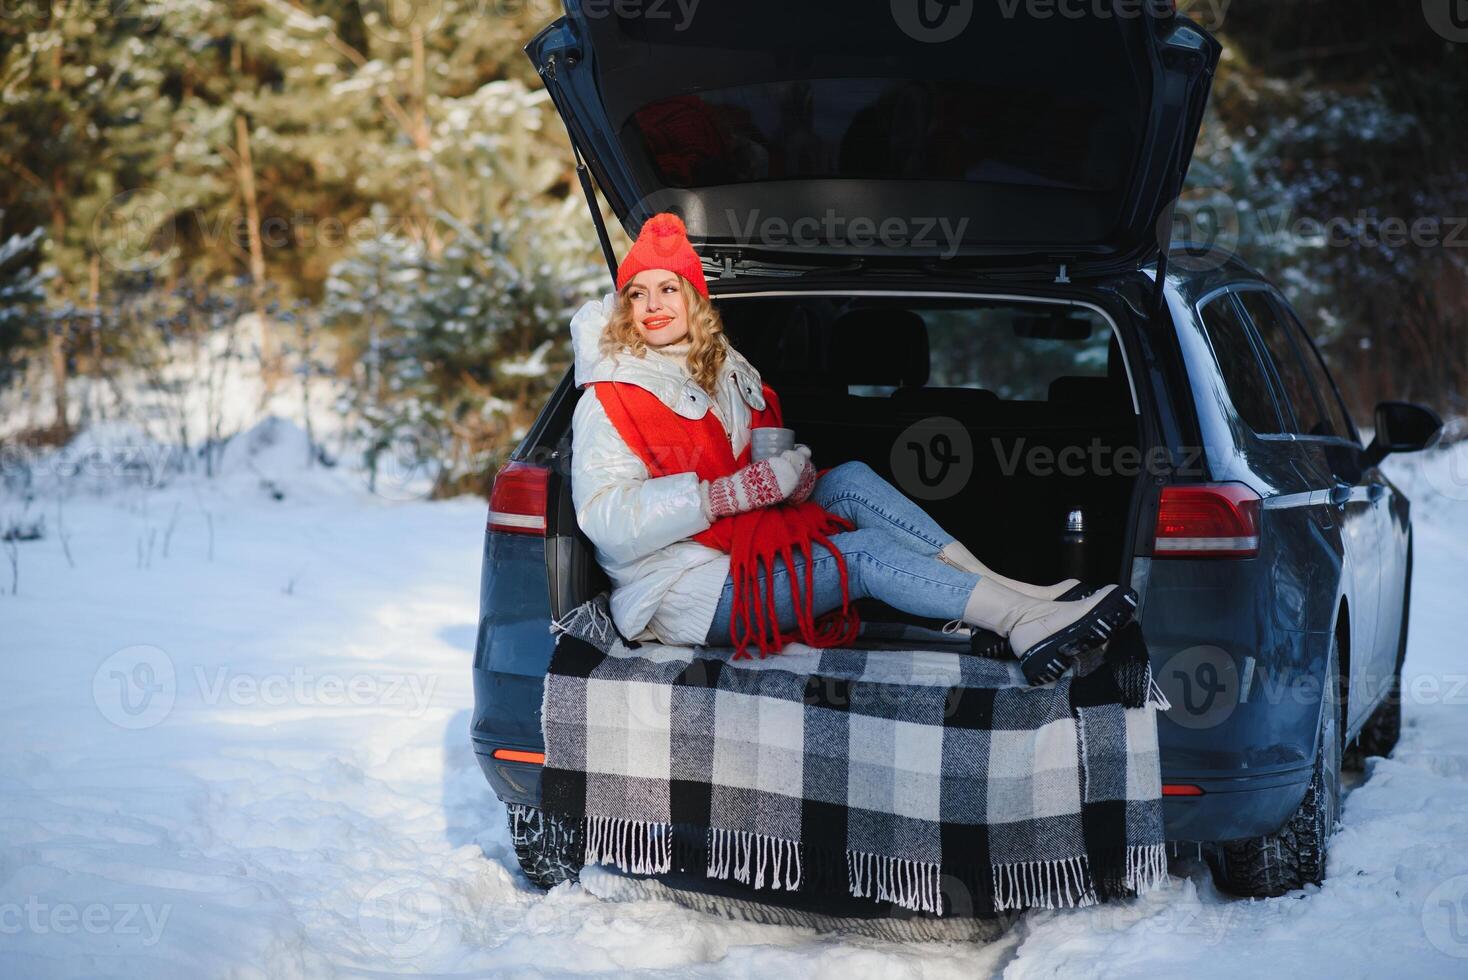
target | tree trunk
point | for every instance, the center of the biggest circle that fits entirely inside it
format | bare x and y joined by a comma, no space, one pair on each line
55,341
269,356
423,139
56,351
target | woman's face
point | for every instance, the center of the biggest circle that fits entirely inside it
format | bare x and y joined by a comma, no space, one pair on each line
657,306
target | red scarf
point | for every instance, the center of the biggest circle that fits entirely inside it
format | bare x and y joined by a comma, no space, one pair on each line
666,442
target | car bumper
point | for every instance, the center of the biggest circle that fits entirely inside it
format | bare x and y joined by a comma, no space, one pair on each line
1233,808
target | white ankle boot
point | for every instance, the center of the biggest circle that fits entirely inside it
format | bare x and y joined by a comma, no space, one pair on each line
955,554
1024,619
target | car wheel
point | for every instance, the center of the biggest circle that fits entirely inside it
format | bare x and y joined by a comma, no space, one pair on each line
1380,733
549,848
1294,855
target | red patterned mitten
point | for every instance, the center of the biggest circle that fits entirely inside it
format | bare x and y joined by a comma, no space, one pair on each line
760,484
808,476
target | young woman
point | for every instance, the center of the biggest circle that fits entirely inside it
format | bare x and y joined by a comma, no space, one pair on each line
704,546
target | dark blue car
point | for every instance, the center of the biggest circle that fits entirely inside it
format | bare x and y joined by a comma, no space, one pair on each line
987,202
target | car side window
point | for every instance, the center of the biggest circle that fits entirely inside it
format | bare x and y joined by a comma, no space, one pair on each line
1335,409
1288,365
1243,374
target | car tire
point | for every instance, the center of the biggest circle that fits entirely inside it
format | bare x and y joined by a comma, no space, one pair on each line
1294,855
1380,733
550,849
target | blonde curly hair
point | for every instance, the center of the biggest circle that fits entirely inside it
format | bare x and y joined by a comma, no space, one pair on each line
709,346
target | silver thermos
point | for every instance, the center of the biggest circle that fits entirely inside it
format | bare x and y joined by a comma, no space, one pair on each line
1073,544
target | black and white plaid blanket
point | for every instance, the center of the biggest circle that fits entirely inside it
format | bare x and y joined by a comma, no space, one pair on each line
929,779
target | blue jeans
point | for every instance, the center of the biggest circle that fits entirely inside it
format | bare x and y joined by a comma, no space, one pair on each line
891,556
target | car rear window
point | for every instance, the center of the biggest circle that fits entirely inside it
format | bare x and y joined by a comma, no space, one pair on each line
1017,352
1243,374
1310,417
868,347
1340,420
891,128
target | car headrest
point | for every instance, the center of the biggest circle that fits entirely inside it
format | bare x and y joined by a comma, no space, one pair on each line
793,344
1111,392
1097,393
880,347
963,403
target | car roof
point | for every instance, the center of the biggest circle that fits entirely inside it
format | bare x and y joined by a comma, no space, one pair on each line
1196,270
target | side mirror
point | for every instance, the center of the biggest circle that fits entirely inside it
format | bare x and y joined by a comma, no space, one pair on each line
1402,427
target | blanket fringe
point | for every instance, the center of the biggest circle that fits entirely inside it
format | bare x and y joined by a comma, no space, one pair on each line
589,621
762,860
749,857
915,885
639,846
1155,695
1146,867
1064,883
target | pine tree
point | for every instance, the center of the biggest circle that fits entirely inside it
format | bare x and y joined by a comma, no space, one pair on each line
21,296
83,108
459,351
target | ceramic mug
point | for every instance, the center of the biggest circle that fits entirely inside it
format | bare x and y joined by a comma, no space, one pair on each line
768,440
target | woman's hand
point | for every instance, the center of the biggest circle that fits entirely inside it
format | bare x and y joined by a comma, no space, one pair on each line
807,481
763,484
594,314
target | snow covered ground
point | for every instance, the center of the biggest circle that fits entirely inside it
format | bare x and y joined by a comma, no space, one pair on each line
234,742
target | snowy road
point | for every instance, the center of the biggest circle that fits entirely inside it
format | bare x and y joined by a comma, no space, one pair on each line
258,765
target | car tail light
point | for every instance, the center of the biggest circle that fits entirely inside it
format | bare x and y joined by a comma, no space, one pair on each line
517,755
1208,520
517,501
1181,789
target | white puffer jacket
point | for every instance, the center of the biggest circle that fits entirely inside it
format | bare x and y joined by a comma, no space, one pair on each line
665,586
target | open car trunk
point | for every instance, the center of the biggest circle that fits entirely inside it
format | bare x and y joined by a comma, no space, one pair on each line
999,416
786,132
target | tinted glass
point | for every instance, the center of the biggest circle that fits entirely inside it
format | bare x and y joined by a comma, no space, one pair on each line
1015,351
1315,368
892,128
1018,352
1248,385
1309,417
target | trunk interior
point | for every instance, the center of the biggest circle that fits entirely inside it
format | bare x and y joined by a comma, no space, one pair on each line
998,416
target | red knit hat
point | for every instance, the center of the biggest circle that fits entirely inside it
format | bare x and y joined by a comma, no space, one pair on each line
663,244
